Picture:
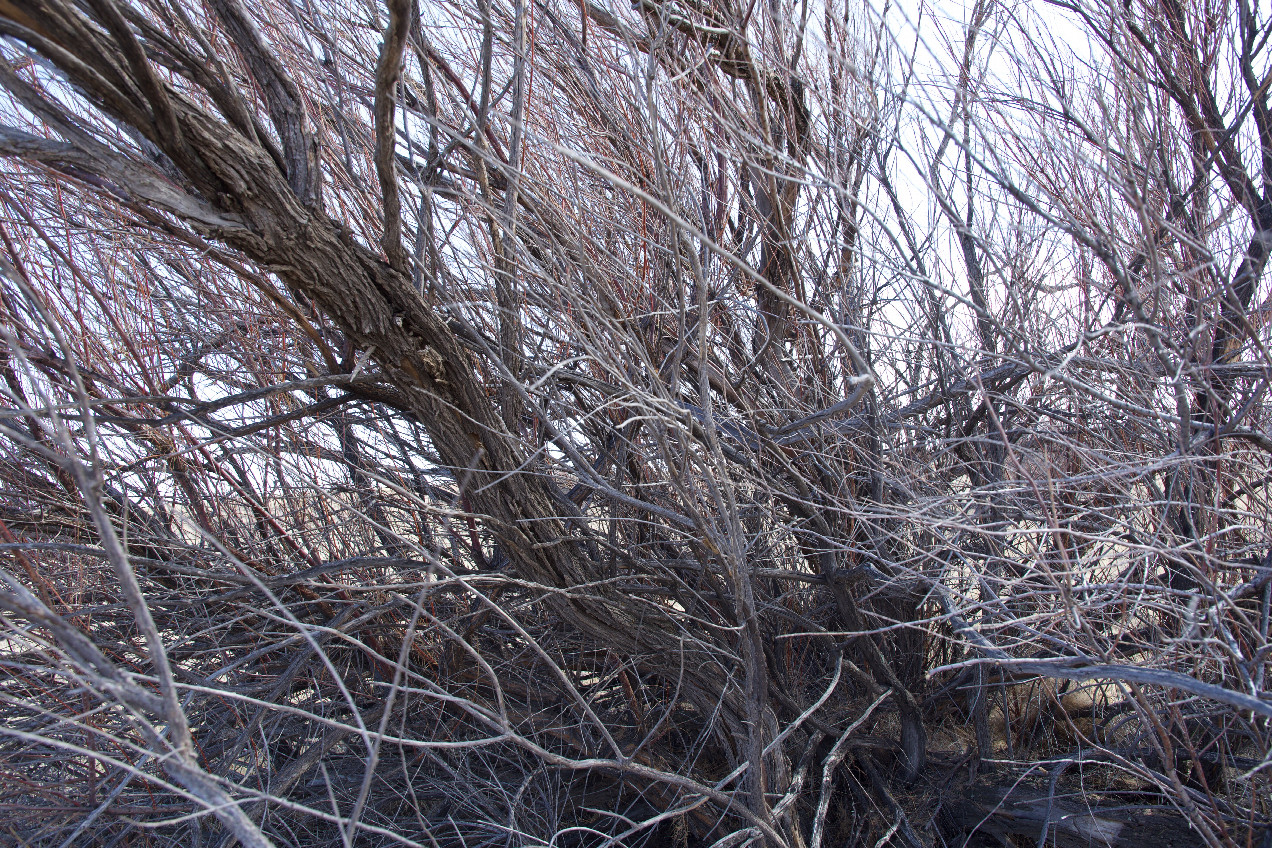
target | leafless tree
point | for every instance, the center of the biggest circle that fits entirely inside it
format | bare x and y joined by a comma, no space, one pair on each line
554,422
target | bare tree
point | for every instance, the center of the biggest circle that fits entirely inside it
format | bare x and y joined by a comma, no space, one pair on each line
686,424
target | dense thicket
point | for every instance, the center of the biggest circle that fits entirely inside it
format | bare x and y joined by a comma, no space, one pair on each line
554,422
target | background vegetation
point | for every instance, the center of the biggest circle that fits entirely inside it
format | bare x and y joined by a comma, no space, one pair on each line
554,422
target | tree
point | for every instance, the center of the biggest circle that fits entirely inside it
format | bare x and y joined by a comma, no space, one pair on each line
697,423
